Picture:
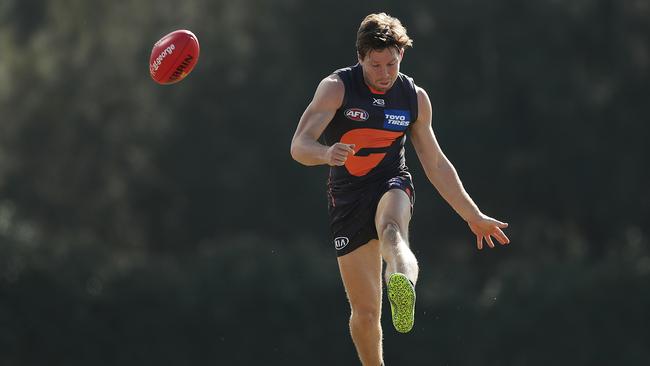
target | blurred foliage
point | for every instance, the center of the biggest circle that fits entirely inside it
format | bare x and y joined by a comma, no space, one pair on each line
142,224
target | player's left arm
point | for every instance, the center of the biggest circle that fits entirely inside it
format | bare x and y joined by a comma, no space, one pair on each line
445,179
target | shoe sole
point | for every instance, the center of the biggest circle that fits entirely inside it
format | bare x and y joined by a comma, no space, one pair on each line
402,302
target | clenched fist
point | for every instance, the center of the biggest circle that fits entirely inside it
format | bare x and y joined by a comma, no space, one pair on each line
338,153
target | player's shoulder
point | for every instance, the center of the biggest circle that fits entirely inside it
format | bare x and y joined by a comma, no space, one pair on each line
410,82
421,93
332,81
410,85
330,91
332,86
424,103
406,79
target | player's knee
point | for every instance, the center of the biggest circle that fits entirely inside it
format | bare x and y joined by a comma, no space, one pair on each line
366,315
390,232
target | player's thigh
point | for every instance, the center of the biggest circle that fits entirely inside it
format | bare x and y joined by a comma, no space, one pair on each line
361,275
394,208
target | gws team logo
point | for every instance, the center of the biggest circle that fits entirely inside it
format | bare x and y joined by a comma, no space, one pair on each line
397,119
341,242
356,114
371,146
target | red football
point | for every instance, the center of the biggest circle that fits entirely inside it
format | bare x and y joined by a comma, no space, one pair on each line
173,57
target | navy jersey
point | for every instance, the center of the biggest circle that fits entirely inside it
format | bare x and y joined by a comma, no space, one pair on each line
376,124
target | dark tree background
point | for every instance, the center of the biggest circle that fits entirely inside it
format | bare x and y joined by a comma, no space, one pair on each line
149,225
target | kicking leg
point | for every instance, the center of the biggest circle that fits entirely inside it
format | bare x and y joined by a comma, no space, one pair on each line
392,220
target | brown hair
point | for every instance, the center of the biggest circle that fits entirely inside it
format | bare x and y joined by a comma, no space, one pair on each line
379,31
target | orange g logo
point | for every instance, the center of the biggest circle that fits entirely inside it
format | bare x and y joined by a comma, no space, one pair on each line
371,146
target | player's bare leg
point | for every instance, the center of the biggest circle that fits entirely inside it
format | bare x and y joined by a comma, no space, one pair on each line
361,274
392,220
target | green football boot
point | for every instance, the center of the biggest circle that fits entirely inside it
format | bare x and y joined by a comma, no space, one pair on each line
401,295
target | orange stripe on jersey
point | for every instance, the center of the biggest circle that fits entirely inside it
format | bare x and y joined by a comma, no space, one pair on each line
375,91
368,138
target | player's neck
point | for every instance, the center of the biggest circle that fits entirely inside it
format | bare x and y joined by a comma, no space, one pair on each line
375,91
372,90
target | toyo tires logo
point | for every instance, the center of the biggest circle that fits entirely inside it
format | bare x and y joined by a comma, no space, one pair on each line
397,119
356,114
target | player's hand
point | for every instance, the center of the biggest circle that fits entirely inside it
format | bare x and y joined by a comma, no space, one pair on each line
485,227
338,153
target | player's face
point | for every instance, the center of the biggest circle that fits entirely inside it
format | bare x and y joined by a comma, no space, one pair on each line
381,67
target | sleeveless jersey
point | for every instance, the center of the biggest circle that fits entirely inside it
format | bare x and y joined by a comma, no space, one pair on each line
376,124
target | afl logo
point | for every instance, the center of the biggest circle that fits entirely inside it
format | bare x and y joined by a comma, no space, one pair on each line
356,114
341,242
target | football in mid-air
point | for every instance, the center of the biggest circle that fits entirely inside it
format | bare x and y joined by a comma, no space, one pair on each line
173,57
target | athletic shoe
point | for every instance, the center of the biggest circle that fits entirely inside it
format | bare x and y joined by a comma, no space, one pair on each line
401,295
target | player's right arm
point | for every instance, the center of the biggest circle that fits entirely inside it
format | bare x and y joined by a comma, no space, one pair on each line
305,147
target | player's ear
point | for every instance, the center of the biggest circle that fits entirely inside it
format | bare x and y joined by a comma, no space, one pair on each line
359,58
